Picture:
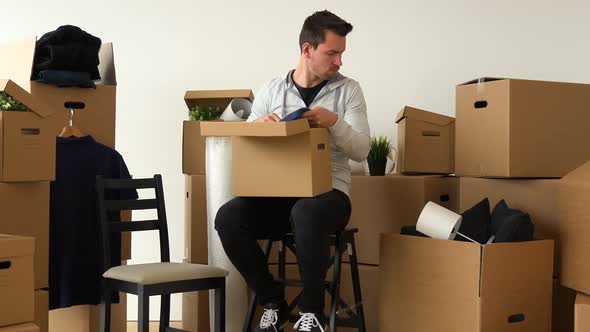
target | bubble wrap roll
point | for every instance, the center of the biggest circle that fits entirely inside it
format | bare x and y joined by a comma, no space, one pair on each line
219,191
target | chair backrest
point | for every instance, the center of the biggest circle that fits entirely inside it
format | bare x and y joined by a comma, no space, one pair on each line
107,207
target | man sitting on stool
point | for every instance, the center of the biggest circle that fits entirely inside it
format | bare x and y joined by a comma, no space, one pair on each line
337,103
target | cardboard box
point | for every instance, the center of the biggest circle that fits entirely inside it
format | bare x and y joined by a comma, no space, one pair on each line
24,210
582,313
42,310
86,318
439,285
383,204
16,279
521,128
195,311
369,276
193,144
537,197
563,308
425,142
27,144
298,157
27,327
574,212
195,219
94,109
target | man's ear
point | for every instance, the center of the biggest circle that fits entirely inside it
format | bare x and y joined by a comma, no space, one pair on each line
306,50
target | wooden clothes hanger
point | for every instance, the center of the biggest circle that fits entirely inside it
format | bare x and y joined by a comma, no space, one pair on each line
71,130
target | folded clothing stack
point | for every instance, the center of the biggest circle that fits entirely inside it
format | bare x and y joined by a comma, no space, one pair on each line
67,56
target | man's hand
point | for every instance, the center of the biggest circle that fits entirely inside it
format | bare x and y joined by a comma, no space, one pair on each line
272,117
320,117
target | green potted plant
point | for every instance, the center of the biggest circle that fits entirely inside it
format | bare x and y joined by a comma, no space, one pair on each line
377,158
8,103
201,113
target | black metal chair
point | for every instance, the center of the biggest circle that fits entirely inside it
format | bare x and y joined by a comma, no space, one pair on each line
342,241
144,280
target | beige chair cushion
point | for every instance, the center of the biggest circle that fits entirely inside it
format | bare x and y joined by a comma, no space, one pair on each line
155,273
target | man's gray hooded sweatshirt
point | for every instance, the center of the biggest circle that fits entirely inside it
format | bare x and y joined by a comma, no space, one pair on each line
349,136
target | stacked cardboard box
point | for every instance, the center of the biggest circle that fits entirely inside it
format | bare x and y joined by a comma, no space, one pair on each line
425,142
27,159
17,309
29,154
506,147
574,232
195,306
504,130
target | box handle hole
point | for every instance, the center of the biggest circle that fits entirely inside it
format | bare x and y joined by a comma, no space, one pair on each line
4,265
74,105
517,318
30,131
445,198
481,104
431,133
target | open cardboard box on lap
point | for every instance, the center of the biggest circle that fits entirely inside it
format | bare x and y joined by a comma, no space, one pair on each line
279,159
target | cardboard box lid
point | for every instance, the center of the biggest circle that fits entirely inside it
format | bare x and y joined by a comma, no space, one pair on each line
422,115
28,327
258,129
16,246
18,57
106,67
11,88
580,175
220,98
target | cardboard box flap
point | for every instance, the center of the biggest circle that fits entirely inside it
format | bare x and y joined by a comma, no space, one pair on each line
579,175
423,258
17,61
512,267
16,246
106,67
14,90
516,285
219,98
422,115
483,80
258,129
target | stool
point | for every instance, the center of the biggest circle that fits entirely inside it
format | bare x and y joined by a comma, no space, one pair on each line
342,241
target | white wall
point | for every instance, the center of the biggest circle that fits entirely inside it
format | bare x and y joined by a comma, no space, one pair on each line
402,52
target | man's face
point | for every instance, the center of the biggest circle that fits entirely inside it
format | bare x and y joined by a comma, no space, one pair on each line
325,61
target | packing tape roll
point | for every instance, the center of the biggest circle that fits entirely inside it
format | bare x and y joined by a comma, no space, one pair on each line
438,222
218,166
238,110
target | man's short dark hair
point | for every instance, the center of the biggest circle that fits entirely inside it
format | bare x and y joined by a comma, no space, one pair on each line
315,26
